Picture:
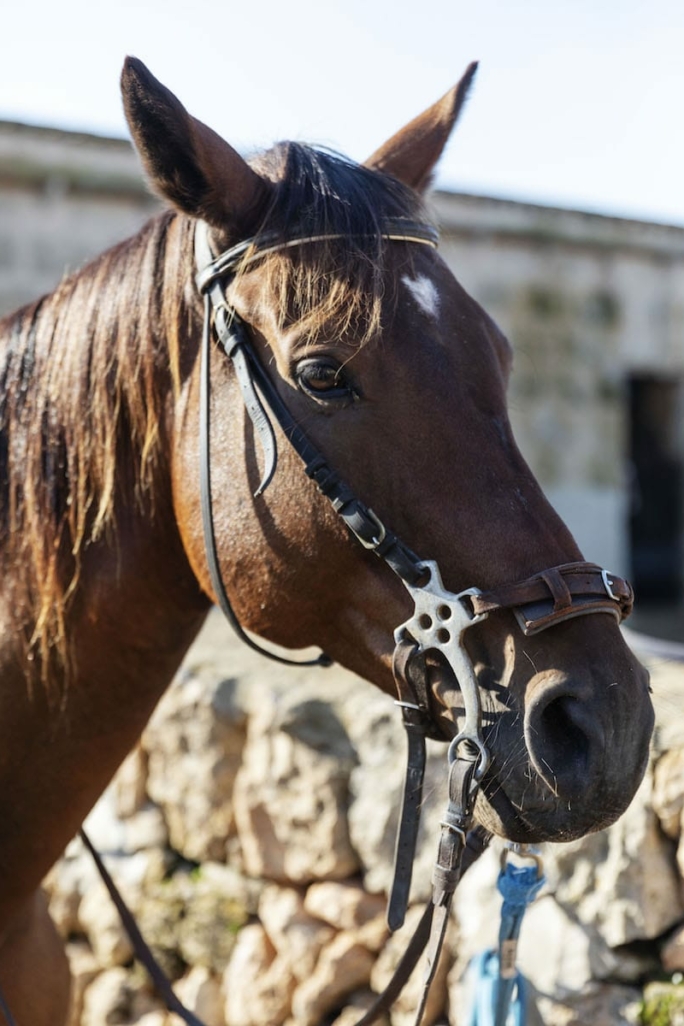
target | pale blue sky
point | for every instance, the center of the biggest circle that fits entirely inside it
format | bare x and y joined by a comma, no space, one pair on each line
577,102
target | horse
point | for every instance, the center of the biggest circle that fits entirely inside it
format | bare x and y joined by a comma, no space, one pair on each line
398,377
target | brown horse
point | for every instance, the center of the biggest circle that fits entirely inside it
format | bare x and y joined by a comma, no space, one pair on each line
395,374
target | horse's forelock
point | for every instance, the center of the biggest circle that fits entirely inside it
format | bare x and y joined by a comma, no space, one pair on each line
339,283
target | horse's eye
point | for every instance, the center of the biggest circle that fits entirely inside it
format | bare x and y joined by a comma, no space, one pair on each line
323,380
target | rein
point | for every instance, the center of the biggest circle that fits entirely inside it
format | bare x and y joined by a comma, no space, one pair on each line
437,625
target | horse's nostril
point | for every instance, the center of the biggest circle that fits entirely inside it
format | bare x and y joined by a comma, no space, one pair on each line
564,741
560,731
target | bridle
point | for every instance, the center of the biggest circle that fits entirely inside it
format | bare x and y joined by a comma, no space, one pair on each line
439,621
440,617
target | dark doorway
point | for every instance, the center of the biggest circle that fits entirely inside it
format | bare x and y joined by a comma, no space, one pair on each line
657,495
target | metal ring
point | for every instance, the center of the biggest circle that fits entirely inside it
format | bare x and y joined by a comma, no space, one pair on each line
523,851
482,756
454,830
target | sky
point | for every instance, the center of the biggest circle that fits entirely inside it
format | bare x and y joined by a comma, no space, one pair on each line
577,103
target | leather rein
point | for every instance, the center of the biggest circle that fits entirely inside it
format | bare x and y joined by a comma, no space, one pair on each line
436,627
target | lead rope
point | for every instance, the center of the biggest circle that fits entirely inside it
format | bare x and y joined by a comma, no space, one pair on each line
499,995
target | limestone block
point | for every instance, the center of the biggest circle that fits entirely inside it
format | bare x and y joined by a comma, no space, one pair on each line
404,1008
672,952
343,966
574,955
376,786
561,961
228,881
145,829
108,999
158,1017
257,984
597,1005
358,1005
343,904
291,794
65,885
668,798
130,784
75,875
194,745
297,936
101,923
200,992
621,882
668,791
84,968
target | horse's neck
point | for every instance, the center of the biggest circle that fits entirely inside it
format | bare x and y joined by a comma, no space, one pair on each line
136,611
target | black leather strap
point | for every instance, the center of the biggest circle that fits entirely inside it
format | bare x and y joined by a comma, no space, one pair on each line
253,382
416,725
208,517
477,841
140,946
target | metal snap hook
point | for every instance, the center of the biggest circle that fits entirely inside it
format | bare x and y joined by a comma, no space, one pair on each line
523,851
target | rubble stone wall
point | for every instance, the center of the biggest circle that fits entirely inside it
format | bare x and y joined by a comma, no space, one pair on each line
252,833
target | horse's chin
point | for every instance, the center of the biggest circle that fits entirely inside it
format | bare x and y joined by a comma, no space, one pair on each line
496,813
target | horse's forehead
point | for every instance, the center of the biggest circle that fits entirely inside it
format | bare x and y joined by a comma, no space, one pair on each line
424,292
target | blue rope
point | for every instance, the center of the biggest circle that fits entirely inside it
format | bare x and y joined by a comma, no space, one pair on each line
500,990
484,972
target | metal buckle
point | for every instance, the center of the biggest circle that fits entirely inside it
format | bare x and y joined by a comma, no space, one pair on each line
608,585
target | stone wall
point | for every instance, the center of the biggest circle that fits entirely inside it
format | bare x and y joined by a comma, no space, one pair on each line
252,832
64,197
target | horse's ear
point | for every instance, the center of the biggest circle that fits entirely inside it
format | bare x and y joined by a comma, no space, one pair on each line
186,162
412,153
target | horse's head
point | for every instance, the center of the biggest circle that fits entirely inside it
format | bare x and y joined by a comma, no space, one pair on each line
398,377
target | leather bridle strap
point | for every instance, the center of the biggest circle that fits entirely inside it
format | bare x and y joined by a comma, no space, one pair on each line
234,339
206,500
139,944
417,723
560,593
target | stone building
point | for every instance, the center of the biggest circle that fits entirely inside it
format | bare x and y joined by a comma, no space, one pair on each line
593,305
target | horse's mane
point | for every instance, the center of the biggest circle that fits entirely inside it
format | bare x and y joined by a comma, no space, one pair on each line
81,400
86,370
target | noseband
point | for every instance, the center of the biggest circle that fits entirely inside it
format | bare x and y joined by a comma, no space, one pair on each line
440,617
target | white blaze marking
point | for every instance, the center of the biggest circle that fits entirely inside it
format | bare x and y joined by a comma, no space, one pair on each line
425,293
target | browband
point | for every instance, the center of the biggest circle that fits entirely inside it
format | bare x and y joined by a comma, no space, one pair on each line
394,229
